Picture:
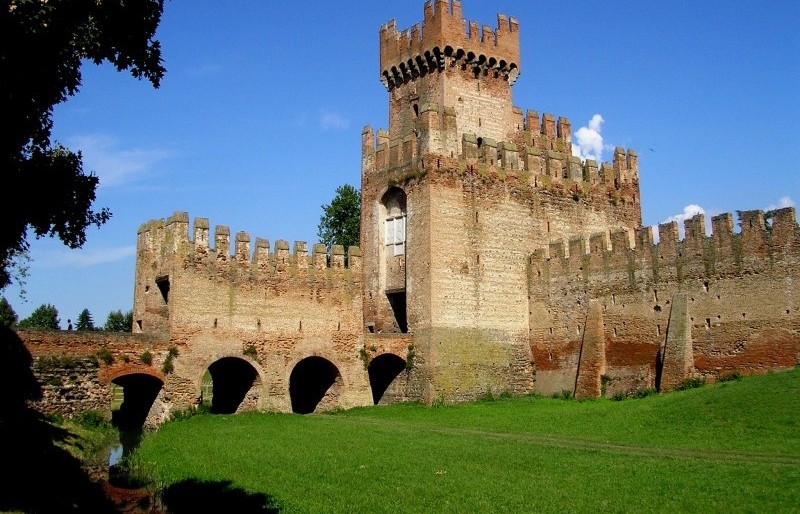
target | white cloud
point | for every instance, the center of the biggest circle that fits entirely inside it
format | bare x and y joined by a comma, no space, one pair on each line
329,120
689,211
783,202
588,142
82,258
114,165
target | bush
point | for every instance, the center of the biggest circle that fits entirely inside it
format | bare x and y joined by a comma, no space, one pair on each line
104,355
251,352
146,358
90,419
730,377
691,383
643,392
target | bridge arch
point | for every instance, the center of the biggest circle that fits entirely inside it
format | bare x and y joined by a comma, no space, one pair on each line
133,397
109,374
315,383
383,370
231,384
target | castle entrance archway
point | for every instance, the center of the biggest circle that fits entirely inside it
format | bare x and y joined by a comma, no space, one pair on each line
133,396
315,383
383,370
230,386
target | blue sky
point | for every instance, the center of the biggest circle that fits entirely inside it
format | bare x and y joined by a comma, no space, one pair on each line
259,116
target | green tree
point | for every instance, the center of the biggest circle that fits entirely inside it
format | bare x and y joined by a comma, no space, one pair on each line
8,318
44,317
42,47
85,321
340,223
119,322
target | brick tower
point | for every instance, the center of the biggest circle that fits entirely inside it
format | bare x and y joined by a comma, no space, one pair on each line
458,194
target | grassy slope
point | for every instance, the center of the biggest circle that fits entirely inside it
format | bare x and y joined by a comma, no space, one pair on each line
726,447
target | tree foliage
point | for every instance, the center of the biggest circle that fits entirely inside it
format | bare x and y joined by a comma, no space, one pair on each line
340,223
119,322
42,46
85,321
8,318
45,317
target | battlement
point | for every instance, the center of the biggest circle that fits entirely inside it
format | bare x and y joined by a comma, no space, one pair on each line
540,154
766,239
443,36
169,238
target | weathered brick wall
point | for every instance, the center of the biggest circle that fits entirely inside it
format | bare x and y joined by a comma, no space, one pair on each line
286,306
72,373
742,305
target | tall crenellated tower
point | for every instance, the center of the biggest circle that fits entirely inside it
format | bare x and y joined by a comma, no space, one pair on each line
459,192
445,65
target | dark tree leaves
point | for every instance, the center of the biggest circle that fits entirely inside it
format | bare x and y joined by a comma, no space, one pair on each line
45,317
85,321
8,318
340,223
42,47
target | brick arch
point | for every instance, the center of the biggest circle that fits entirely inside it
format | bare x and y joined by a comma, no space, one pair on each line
227,355
108,374
315,388
197,380
237,385
331,357
383,369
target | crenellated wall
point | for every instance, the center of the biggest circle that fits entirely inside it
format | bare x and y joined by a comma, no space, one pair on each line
740,290
216,303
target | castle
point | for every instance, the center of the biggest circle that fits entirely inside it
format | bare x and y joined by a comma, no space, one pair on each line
491,261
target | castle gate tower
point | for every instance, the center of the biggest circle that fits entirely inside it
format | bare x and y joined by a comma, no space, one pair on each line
457,195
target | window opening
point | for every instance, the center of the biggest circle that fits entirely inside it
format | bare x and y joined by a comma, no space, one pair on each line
163,286
396,234
398,303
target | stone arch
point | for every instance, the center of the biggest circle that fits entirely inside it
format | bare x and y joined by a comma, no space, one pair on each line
235,384
383,370
109,374
315,383
131,408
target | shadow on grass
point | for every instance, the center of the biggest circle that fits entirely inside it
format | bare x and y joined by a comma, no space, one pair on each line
38,475
191,497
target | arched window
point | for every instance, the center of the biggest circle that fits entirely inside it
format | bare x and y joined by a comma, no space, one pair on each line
395,222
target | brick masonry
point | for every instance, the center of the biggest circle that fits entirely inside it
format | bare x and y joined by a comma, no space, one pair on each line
518,268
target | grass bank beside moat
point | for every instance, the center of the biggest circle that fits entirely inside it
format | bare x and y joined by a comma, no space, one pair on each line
725,447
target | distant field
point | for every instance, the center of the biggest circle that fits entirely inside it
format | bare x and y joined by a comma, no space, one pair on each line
727,447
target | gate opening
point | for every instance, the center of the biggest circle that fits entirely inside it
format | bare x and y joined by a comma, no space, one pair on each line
383,370
312,380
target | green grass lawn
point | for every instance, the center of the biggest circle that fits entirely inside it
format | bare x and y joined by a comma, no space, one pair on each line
728,447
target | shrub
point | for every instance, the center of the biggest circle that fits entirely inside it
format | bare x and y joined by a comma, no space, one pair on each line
105,356
146,358
410,357
644,392
691,383
251,352
363,354
618,396
90,419
730,377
